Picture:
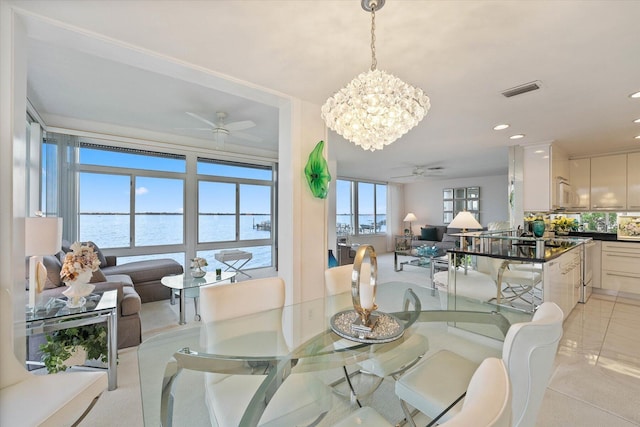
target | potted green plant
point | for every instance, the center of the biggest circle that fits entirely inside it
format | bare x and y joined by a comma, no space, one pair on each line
61,344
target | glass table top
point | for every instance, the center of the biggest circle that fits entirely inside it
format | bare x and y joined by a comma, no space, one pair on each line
57,307
185,281
299,334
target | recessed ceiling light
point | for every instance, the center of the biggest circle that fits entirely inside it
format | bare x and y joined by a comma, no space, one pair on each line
500,127
518,136
637,136
636,121
635,95
539,151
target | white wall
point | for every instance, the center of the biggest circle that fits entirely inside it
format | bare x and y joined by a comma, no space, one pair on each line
13,171
424,199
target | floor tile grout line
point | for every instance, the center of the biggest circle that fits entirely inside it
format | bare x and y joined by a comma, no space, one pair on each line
591,404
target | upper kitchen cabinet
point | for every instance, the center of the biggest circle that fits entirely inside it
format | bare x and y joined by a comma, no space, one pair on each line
580,178
545,178
609,182
633,181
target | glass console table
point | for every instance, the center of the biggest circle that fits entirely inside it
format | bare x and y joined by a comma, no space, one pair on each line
299,341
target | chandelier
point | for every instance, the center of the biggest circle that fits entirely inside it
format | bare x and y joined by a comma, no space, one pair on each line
375,108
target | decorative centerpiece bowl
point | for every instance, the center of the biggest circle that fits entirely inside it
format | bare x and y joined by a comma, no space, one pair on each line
197,270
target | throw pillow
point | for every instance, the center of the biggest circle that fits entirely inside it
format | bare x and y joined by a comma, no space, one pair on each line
428,233
97,277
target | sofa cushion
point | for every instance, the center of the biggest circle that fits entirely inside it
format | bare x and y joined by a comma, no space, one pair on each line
146,271
448,238
121,278
131,303
428,233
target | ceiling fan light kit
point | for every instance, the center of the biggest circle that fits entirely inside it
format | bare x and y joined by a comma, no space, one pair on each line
375,108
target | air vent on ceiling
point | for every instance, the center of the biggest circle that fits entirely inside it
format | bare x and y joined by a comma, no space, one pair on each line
519,90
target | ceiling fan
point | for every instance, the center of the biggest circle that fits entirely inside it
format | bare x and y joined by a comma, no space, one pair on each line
222,130
422,172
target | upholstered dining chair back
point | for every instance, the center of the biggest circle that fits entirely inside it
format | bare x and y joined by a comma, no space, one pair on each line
487,404
338,279
529,351
247,317
488,399
226,301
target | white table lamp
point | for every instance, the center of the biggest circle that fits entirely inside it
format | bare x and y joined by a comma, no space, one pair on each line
410,218
465,221
42,236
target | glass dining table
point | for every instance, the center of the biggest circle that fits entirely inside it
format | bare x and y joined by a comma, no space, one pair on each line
288,341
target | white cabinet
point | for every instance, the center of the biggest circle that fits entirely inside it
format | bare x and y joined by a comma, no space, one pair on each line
621,266
543,165
633,181
562,280
580,178
596,264
609,182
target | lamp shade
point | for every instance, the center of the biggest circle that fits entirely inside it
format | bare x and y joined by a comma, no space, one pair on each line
410,217
464,220
42,235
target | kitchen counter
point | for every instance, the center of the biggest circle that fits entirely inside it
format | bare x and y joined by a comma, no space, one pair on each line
520,249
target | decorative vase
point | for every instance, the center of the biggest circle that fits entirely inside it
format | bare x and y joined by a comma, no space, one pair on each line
198,272
562,232
77,291
538,228
333,262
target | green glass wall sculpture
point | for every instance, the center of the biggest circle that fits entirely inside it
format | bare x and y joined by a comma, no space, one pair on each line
317,172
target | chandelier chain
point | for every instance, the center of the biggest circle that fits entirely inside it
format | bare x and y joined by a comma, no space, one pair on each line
374,61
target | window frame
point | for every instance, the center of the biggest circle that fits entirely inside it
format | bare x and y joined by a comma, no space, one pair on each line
355,229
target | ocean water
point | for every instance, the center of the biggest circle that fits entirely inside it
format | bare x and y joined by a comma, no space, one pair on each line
113,231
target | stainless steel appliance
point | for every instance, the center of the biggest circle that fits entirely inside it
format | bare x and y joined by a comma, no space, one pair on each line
588,252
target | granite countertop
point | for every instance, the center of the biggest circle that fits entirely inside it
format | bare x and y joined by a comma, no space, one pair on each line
524,249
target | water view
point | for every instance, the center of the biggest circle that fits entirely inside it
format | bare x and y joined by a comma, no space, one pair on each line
113,231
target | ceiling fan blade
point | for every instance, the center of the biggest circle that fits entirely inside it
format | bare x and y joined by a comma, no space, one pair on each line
209,129
246,136
202,119
404,176
242,125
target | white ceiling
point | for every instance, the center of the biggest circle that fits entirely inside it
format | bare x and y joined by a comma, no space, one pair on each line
139,65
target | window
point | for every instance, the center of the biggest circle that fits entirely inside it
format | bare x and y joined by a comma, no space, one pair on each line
361,207
235,210
135,201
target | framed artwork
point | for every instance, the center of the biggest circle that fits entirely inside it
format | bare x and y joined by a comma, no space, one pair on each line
455,200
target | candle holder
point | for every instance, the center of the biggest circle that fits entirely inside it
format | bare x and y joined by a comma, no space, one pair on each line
363,294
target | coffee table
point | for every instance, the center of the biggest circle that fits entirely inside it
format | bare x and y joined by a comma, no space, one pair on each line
190,287
99,308
436,262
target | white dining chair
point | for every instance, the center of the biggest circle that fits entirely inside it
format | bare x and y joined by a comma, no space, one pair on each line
487,403
382,361
302,399
40,400
528,353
